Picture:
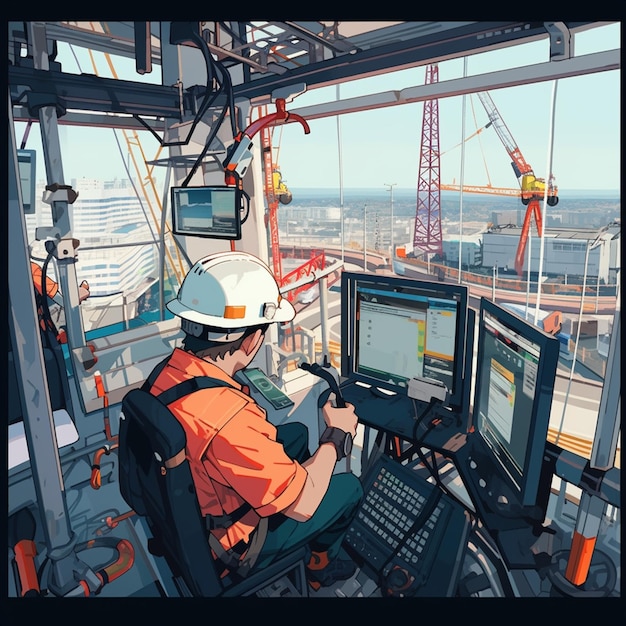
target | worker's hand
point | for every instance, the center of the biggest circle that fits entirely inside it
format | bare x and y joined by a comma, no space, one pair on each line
83,291
344,418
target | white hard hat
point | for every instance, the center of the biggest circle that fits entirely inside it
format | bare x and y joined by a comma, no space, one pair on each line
229,290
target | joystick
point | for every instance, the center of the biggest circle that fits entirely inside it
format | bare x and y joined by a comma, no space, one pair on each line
397,581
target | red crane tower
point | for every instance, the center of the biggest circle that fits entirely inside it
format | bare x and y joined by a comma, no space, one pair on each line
532,189
427,235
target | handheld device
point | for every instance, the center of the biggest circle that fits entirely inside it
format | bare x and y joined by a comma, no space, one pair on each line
277,398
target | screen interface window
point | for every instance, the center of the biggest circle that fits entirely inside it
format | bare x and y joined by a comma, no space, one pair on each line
505,402
205,210
401,335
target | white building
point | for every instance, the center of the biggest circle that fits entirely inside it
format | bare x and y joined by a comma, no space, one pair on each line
564,254
107,218
471,250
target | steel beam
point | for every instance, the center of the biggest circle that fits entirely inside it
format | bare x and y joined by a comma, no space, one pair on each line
552,70
33,87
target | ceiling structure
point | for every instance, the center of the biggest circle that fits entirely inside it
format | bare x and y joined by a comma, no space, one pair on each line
264,60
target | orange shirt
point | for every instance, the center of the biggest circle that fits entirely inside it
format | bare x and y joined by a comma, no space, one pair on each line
51,289
51,286
243,461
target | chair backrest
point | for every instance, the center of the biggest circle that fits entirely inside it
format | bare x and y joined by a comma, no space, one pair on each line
150,435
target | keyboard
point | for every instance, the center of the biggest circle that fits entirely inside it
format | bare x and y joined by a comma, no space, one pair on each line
408,532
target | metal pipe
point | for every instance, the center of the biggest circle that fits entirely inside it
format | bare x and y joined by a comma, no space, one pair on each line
324,320
311,278
340,177
545,199
33,390
391,253
462,177
365,237
162,244
48,124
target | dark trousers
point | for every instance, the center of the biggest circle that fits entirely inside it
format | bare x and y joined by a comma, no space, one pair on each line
326,528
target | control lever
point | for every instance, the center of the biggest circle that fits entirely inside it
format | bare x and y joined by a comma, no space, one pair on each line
318,370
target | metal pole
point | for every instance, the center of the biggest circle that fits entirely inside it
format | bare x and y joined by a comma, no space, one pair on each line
48,122
591,508
392,251
462,175
162,243
545,199
340,179
34,394
598,284
365,237
323,286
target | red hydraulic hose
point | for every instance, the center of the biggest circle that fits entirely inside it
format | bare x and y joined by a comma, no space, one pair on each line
25,553
122,564
96,476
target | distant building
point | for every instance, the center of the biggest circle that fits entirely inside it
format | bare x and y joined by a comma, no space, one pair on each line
565,251
112,208
504,218
471,250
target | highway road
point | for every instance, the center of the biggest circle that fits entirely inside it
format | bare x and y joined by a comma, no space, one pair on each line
567,304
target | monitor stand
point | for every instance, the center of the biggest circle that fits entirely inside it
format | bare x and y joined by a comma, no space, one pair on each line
514,527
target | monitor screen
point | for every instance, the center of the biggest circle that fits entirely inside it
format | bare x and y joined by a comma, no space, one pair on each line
212,212
515,372
397,328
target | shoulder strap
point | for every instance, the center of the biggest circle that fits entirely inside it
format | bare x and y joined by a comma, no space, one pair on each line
154,374
190,385
183,388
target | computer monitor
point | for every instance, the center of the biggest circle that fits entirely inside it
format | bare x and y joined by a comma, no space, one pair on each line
397,328
515,373
212,212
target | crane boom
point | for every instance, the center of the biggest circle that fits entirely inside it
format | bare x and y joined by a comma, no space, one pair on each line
520,167
533,189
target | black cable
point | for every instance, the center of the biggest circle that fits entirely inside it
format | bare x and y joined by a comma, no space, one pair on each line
208,99
432,470
45,308
247,213
420,520
202,154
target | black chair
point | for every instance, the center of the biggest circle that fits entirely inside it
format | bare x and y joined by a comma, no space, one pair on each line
150,440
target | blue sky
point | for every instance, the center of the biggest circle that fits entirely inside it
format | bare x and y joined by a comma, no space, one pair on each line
383,146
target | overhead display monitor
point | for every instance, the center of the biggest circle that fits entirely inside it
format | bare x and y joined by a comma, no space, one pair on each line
212,212
397,328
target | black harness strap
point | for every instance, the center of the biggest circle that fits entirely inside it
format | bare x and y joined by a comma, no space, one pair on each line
190,385
230,558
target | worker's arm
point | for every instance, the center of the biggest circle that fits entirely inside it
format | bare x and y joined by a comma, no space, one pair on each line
83,293
321,465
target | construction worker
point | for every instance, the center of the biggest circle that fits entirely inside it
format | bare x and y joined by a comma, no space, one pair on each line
51,289
261,490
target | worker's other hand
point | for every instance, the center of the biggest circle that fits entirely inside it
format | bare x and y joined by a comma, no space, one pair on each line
344,418
83,291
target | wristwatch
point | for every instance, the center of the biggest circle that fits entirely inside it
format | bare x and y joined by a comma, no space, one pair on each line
340,439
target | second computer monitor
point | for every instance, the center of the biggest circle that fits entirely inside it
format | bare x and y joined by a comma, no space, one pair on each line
397,328
515,374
